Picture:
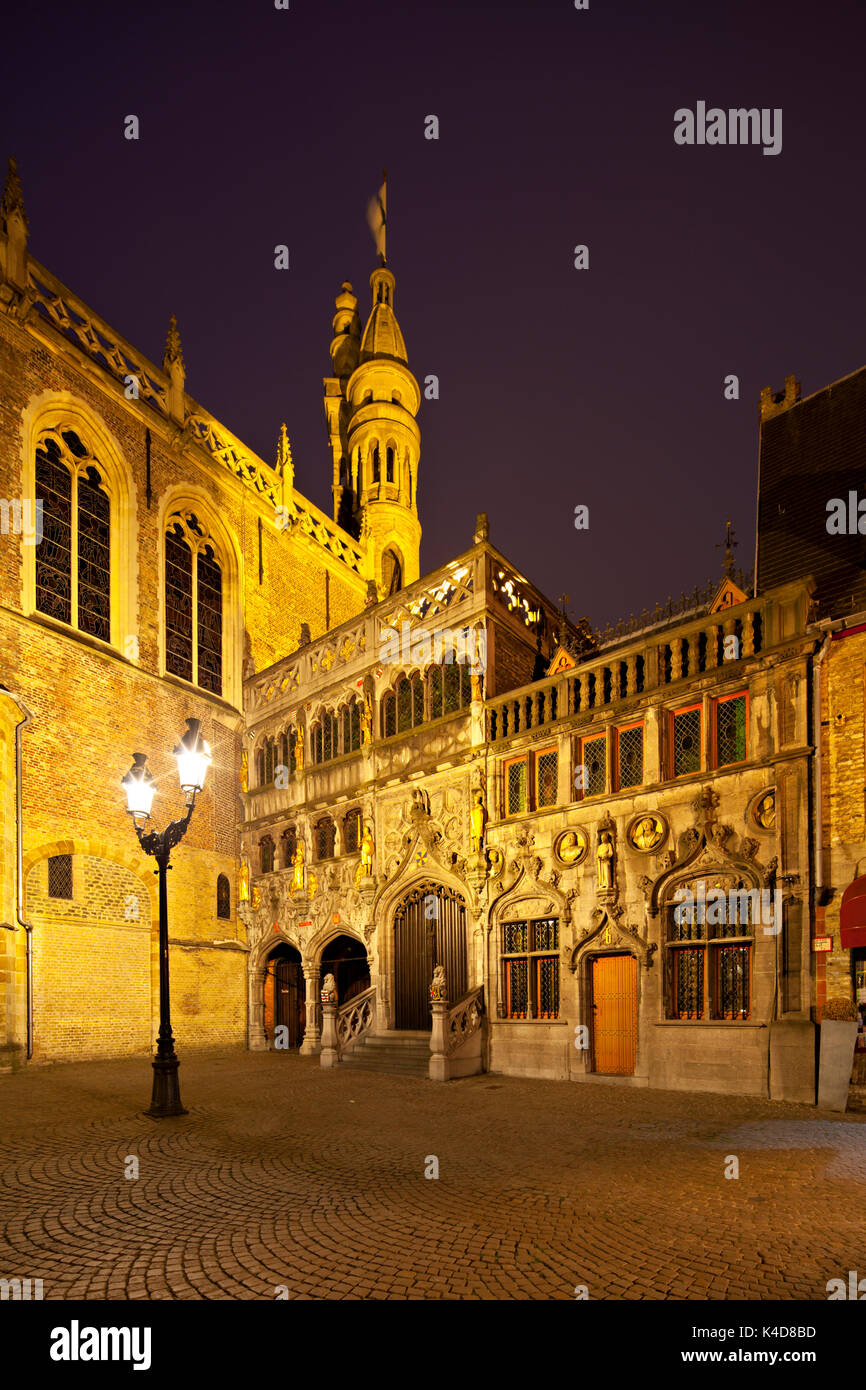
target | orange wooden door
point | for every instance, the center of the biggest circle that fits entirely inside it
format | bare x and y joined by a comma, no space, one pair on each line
614,1014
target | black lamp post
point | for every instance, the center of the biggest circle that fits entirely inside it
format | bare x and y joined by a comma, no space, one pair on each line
193,760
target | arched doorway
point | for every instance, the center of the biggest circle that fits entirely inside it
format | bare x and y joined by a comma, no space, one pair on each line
346,959
613,986
429,930
285,1003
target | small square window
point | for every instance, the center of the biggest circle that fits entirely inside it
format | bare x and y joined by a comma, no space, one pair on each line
593,757
731,721
60,876
686,741
515,787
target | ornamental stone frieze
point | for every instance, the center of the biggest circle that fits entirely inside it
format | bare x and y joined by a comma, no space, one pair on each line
609,931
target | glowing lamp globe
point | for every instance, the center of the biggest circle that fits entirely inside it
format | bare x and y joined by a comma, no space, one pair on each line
139,787
193,758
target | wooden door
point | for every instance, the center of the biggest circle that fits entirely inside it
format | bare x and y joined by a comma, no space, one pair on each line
429,930
289,999
614,1015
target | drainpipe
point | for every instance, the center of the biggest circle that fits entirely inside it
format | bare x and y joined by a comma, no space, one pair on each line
19,845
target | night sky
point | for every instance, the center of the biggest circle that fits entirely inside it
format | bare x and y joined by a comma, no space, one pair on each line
558,387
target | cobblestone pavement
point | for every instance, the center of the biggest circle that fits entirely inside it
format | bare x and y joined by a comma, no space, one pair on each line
284,1174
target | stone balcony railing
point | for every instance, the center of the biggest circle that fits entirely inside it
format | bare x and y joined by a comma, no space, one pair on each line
675,654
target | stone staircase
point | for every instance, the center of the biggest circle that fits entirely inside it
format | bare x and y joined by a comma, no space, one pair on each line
403,1053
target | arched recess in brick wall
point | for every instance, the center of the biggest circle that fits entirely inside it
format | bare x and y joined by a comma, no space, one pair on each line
183,501
94,953
61,410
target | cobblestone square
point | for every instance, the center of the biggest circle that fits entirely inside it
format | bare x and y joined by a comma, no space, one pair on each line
284,1174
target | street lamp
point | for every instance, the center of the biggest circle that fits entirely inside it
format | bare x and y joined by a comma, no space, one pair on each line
193,759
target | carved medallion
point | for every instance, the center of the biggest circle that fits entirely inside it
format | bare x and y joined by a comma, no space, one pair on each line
571,846
647,832
764,811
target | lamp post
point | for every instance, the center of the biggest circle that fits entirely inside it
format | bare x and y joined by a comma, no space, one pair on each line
193,759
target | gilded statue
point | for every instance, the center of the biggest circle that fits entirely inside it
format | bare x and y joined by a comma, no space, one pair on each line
477,822
367,721
298,875
571,847
766,811
244,882
299,751
245,771
367,848
256,898
604,861
476,683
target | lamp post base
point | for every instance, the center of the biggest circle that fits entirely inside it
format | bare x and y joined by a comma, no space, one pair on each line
165,1099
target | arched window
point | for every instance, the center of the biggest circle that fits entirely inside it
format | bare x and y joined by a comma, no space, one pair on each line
389,464
434,680
193,604
266,760
266,849
260,768
351,726
352,831
392,572
284,750
224,897
709,931
330,737
326,833
73,579
376,468
317,743
289,839
389,714
404,705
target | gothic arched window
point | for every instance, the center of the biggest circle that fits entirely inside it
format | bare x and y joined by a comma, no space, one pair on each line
392,572
389,714
376,468
434,681
289,840
266,849
389,464
352,831
326,833
224,897
193,604
709,940
73,569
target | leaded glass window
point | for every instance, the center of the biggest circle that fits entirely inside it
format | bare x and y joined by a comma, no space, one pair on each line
326,833
193,605
404,706
630,756
289,840
94,556
546,773
530,969
352,831
594,760
224,901
60,876
355,727
732,985
452,687
389,714
417,701
266,849
435,683
686,739
731,716
710,930
54,555
73,559
178,604
515,787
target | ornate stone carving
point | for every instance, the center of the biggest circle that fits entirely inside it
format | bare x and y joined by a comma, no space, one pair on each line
604,858
439,987
571,846
647,832
477,821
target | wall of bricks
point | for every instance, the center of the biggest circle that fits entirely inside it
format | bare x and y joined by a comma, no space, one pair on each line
843,715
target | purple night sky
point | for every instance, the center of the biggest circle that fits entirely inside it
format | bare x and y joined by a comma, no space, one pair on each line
262,126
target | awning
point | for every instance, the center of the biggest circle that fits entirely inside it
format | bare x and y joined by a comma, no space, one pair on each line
852,918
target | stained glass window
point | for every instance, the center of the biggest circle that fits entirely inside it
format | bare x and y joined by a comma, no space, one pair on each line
546,772
355,727
352,831
210,622
515,787
404,706
224,904
326,833
178,604
731,730
630,756
289,840
54,555
594,759
94,552
530,966
711,976
686,736
389,714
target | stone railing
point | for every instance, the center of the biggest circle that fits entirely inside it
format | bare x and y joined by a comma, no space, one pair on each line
355,1020
527,709
464,1020
456,1040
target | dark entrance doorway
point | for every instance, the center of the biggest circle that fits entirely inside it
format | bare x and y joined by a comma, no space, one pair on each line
429,930
346,959
285,996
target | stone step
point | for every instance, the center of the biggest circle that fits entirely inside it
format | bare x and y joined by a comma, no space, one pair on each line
399,1053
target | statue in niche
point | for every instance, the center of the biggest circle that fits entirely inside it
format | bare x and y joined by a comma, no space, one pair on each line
476,684
298,875
244,882
299,751
367,721
245,771
365,866
604,862
477,822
